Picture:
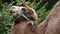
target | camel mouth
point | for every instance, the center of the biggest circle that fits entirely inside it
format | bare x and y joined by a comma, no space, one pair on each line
11,11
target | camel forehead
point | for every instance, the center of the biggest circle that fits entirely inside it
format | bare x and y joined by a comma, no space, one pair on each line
16,7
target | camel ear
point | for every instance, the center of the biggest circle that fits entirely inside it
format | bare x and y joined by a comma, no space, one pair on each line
23,4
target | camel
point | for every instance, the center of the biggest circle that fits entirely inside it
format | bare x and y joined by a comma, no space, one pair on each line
51,25
25,24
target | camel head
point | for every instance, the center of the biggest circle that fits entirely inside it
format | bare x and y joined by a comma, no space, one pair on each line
24,11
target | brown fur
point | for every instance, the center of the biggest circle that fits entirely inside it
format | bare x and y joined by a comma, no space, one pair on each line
21,26
51,25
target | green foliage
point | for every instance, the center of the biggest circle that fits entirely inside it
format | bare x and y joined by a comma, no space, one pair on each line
42,12
6,20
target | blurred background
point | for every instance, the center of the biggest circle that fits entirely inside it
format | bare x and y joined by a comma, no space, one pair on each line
42,8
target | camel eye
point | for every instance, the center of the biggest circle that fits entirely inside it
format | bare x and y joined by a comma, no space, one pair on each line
23,9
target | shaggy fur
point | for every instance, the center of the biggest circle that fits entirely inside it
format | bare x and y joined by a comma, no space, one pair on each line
21,25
